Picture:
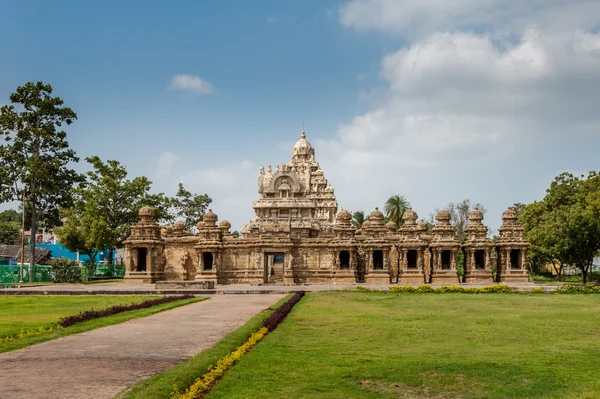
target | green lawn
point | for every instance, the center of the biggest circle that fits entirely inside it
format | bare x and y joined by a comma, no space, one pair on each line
381,345
32,312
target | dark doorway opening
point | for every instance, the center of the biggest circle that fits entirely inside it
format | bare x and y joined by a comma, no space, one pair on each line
344,260
446,259
142,262
411,259
479,259
378,259
207,260
514,259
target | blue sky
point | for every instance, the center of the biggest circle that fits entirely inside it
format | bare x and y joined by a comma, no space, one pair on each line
481,100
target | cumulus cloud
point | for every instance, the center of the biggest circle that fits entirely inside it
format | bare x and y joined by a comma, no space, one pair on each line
190,83
232,187
478,88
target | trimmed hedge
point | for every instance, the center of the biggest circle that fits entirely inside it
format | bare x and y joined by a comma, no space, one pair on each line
427,289
494,289
94,314
277,317
578,289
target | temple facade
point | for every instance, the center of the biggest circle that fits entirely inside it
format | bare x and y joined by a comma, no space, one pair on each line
298,236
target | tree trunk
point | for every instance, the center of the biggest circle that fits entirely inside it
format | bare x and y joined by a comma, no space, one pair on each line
110,256
32,237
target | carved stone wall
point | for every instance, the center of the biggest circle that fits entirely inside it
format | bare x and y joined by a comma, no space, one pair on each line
297,236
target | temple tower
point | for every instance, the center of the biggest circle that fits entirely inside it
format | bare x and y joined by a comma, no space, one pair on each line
295,198
512,250
445,247
144,250
412,249
478,249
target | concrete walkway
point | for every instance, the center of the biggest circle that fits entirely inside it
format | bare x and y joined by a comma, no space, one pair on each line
123,288
102,362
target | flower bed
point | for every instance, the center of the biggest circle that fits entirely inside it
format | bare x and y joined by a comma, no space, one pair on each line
205,382
94,314
28,333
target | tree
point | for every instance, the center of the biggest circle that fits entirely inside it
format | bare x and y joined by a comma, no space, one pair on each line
358,218
395,207
35,155
236,234
10,227
190,207
564,228
107,205
81,231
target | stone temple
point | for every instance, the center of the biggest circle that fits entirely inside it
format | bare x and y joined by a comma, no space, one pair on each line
298,236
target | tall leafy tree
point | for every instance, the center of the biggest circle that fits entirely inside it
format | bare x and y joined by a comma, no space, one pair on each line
358,218
10,227
395,207
35,154
190,207
564,228
106,206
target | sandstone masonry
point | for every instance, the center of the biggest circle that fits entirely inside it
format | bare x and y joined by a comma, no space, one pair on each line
298,236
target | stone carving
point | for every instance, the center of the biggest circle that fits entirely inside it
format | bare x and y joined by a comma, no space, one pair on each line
297,235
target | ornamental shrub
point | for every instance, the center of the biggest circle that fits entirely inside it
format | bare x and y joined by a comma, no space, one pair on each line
578,289
277,317
403,289
66,271
425,288
444,289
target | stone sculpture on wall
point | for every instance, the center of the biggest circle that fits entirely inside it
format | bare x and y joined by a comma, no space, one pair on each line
298,236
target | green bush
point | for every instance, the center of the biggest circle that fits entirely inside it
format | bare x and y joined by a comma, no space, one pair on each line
446,289
403,288
578,289
66,271
362,289
539,290
425,288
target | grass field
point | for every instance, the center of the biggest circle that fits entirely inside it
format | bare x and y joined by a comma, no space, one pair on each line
32,312
381,345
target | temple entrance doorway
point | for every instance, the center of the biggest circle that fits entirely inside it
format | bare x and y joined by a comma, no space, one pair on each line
344,260
142,255
274,267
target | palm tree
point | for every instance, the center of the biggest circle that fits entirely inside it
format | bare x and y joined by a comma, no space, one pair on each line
395,207
358,218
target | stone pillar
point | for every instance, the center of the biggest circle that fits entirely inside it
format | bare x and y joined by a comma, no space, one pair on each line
487,259
523,260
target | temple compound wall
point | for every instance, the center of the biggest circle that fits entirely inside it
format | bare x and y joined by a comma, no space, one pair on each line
298,237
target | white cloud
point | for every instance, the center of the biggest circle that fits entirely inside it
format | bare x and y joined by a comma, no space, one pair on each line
165,165
469,115
190,83
232,188
420,17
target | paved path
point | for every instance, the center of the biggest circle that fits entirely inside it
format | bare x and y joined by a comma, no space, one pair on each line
102,362
124,288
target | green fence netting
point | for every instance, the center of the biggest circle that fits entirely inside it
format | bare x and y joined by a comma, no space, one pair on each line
10,274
